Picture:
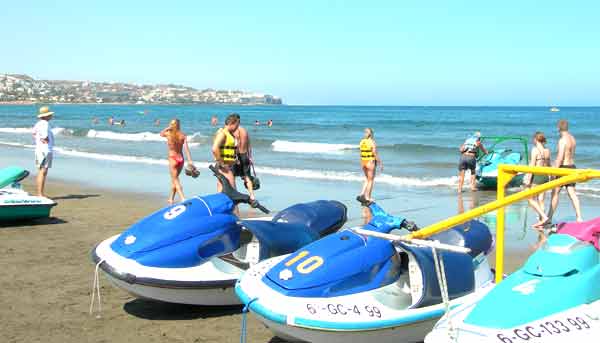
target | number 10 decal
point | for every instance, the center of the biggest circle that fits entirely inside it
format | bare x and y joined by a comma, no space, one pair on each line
306,266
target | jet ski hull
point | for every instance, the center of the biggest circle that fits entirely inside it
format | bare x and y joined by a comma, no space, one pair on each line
209,284
16,204
581,324
359,317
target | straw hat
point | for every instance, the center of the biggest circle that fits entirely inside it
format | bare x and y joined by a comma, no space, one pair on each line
44,112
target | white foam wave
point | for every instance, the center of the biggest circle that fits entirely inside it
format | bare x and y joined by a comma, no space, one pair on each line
311,148
356,177
135,137
22,130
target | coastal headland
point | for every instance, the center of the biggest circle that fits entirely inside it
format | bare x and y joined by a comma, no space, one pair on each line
23,89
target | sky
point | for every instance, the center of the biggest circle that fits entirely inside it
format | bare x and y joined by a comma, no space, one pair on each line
400,52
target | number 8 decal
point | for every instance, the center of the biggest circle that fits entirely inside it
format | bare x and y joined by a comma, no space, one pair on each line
306,266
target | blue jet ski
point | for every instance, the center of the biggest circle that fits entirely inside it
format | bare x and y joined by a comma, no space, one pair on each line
193,252
504,150
554,297
348,287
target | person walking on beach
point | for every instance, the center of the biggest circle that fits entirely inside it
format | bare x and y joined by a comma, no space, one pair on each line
540,157
224,149
176,143
565,158
44,145
468,159
369,159
244,162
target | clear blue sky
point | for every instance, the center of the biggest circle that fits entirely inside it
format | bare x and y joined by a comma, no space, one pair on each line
320,52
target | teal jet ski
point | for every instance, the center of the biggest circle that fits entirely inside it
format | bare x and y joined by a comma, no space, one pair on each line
554,297
15,203
510,150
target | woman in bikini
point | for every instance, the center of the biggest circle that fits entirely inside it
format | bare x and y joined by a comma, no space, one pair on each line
369,159
176,142
540,157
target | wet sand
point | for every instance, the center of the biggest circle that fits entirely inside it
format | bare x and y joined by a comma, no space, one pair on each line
47,277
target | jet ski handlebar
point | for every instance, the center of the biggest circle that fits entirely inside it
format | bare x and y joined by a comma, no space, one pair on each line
421,242
233,194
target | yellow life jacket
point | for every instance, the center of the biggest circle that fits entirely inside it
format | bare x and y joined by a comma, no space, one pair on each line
366,150
228,149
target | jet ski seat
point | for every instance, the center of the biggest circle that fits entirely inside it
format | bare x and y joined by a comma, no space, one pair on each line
588,231
10,175
296,226
458,267
473,235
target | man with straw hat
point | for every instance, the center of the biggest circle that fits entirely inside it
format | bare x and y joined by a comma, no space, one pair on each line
44,144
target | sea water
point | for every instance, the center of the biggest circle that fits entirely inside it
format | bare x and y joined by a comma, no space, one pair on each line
310,152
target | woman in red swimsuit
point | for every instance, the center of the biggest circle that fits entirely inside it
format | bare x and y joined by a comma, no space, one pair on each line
176,142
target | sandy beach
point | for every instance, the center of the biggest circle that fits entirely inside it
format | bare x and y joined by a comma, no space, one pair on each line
45,289
47,278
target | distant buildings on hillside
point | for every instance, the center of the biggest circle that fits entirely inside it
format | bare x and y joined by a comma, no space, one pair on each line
22,88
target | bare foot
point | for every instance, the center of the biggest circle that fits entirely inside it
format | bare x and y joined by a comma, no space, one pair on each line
579,220
541,223
170,201
473,189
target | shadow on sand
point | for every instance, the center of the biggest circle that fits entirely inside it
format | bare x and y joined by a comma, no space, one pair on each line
155,310
33,222
75,196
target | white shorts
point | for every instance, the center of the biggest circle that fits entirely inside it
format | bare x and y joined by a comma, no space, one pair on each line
43,159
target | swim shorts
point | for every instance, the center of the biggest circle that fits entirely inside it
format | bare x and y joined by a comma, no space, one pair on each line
569,166
242,168
43,159
467,162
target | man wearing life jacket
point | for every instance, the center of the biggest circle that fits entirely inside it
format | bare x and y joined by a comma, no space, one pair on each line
224,149
468,159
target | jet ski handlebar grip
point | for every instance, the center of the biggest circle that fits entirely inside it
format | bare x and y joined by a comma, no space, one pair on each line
256,204
233,194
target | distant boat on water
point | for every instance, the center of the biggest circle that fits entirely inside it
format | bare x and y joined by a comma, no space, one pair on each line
554,109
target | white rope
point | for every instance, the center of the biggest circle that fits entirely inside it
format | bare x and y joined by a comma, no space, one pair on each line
96,289
440,271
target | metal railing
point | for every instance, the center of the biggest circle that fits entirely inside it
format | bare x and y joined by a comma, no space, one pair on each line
505,174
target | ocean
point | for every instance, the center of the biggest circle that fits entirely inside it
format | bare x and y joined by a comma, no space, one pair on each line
310,151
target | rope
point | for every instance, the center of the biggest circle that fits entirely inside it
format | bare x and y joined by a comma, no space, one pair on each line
96,289
244,315
440,270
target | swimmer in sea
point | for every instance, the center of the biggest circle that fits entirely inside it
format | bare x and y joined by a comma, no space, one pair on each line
176,143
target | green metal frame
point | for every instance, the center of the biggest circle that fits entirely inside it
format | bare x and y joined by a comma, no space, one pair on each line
500,139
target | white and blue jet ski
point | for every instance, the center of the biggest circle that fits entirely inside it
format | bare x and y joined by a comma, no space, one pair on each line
194,252
348,287
554,297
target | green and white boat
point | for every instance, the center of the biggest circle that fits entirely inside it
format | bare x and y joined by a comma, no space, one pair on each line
15,203
501,150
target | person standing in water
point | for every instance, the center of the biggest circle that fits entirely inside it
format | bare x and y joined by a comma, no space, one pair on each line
369,159
565,158
468,159
44,145
176,143
244,162
540,157
224,149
